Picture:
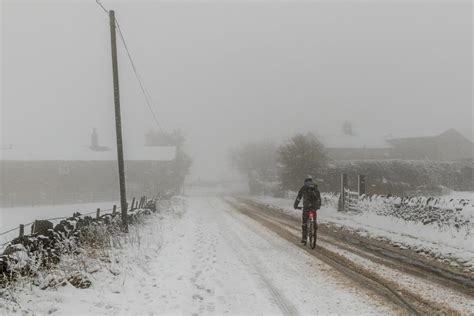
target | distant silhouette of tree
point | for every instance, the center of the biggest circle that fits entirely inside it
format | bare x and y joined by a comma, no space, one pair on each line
302,155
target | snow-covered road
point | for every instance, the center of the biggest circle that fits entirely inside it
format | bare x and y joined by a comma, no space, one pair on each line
238,266
206,258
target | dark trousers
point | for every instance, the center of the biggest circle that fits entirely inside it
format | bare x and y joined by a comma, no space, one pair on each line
304,217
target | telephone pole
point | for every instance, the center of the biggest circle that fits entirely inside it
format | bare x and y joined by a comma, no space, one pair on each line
118,122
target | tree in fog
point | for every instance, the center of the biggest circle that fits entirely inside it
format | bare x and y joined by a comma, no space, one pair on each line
258,162
182,162
300,156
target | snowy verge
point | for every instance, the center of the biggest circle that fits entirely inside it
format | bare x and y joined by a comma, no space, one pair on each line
12,217
60,289
447,243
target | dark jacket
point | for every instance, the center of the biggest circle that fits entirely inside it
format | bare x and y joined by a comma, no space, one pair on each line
310,195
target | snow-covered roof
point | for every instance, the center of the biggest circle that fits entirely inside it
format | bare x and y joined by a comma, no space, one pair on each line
85,153
451,135
374,140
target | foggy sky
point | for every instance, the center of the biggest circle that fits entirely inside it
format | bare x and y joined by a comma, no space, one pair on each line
227,73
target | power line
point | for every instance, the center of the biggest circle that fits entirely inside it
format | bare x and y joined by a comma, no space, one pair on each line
103,8
137,75
146,94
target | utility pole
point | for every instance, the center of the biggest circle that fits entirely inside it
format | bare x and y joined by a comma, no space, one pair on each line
118,122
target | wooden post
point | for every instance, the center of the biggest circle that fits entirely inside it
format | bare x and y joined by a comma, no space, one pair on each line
114,209
361,184
33,226
342,198
133,204
22,230
118,121
97,214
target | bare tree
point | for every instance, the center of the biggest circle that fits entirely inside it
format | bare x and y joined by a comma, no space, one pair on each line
300,156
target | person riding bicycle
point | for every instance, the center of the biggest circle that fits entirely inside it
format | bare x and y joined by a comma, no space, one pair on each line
311,200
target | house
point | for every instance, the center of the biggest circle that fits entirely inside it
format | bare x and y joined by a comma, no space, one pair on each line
356,147
447,146
31,175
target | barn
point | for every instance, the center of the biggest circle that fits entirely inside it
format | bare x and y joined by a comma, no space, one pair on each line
447,146
32,175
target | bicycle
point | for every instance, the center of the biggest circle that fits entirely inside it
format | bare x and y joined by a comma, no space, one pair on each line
311,228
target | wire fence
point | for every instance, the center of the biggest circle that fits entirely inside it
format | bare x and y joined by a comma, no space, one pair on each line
9,233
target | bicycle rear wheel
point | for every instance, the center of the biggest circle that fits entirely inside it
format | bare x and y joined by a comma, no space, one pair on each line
312,234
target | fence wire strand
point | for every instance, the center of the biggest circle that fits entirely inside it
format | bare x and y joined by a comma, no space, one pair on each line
52,219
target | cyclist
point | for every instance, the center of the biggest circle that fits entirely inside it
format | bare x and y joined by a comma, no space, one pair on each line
311,200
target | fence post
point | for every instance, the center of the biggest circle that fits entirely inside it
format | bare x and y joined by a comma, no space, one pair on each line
342,198
114,209
361,184
22,230
133,203
97,214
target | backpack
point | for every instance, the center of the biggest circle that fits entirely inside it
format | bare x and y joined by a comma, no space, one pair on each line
310,197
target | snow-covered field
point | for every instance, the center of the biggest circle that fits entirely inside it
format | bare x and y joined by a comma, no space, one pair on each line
11,218
199,257
447,242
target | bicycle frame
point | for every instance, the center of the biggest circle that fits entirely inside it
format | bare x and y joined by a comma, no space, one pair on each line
312,215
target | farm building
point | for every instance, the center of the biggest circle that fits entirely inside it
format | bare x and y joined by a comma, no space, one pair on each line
38,175
447,146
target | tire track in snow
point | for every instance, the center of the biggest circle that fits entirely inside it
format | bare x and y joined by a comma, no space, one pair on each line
251,262
341,264
415,279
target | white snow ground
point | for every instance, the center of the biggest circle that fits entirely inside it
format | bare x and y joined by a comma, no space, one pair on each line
202,258
443,243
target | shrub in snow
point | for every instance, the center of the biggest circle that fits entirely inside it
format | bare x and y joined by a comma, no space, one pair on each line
44,251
